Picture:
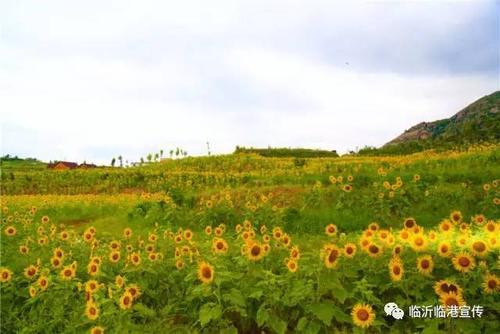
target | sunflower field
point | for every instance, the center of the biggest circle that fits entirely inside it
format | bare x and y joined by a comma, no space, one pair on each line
246,244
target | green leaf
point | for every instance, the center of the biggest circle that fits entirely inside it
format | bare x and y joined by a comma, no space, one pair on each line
302,323
323,311
144,310
209,312
262,315
256,294
235,297
339,315
276,324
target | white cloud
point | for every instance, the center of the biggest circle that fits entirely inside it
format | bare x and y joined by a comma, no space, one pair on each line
108,78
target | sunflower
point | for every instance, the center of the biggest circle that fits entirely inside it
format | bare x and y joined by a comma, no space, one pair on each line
10,231
153,237
292,265
153,256
255,252
64,235
126,301
45,219
114,245
295,253
58,252
32,291
425,264
127,232
479,219
397,250
87,236
373,227
443,287
362,315
133,290
347,188
218,231
92,311
444,249
114,256
277,233
150,248
23,249
491,284
208,230
91,286
43,241
410,223
179,264
374,250
135,258
266,238
451,299
238,228
56,262
287,241
404,235
205,272
68,273
219,246
490,227
97,330
43,282
332,257
419,242
396,269
5,275
263,229
456,217
364,243
349,250
30,271
119,281
463,262
331,230
479,248
93,269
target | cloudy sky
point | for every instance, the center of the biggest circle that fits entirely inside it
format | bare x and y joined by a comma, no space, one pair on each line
95,79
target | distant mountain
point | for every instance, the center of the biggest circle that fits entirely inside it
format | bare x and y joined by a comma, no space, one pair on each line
480,121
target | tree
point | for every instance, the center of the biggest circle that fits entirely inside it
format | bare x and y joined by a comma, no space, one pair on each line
156,156
171,153
120,158
142,161
113,161
149,157
161,154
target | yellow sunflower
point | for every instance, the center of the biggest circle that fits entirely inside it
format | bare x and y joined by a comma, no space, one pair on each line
43,282
5,275
479,248
463,262
205,272
425,264
444,249
30,271
255,252
292,265
332,257
126,301
349,250
396,269
92,311
363,315
451,299
491,284
444,286
330,230
97,330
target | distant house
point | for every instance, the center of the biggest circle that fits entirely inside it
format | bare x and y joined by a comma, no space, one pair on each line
86,165
62,165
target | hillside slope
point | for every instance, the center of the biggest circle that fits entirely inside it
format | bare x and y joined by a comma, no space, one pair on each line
480,121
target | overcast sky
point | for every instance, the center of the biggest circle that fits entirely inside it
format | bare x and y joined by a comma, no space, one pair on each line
95,79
